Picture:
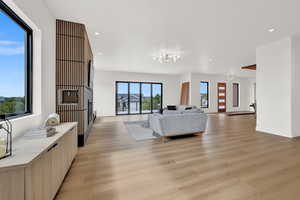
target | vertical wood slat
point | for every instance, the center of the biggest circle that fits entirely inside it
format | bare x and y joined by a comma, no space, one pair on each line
72,57
72,116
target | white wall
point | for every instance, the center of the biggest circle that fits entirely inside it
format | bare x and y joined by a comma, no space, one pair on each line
37,16
245,85
295,73
273,91
104,88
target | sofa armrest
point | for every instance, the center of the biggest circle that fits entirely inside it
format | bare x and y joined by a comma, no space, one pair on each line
155,123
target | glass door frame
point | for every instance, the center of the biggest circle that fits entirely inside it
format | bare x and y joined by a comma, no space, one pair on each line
140,83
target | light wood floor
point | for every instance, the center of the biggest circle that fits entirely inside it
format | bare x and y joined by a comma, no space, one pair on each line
230,161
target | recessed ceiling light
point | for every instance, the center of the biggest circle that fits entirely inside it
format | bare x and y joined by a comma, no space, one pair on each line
100,53
271,30
97,33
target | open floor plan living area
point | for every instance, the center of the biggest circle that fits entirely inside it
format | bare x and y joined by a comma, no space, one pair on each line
149,100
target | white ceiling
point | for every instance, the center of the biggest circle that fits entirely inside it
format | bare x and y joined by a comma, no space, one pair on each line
217,36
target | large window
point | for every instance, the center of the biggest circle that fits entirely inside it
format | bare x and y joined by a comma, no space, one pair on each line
235,95
138,98
15,64
204,94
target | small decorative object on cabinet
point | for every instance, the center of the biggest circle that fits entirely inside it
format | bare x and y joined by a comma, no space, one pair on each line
52,120
5,137
38,165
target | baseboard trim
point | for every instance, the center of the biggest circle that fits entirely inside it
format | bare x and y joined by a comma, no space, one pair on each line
270,132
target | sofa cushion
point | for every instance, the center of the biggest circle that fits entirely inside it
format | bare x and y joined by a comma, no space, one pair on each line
194,110
171,112
183,107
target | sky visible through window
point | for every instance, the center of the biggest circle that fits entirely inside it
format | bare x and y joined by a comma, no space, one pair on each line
12,60
123,89
203,88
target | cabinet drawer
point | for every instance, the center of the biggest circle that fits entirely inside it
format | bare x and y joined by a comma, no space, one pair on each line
38,178
12,184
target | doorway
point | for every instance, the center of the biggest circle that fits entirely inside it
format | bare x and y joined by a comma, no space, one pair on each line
221,97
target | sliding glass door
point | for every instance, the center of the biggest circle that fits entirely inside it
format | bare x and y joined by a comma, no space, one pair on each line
122,98
156,97
146,97
134,98
138,97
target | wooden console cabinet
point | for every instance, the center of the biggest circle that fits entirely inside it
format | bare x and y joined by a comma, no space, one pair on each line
38,166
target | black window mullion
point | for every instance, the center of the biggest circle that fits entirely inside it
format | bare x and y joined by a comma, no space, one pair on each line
161,95
151,95
128,98
140,98
29,72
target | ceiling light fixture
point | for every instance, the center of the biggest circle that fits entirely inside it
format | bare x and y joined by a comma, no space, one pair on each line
100,53
97,33
271,30
230,76
168,55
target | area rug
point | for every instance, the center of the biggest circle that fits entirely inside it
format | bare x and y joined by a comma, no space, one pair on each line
139,130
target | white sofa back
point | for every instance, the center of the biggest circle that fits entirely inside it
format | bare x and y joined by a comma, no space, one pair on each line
182,109
178,124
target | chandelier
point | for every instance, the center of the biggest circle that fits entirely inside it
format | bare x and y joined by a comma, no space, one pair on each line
168,55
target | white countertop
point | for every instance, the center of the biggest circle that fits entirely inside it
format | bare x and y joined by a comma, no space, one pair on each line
26,150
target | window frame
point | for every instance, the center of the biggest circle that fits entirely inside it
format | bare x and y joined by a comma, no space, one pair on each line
207,106
238,95
140,110
28,56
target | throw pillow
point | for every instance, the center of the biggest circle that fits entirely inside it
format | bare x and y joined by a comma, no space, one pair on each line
171,107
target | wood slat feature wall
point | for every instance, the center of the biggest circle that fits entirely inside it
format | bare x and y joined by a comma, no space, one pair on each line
73,116
73,55
70,48
70,73
73,107
70,29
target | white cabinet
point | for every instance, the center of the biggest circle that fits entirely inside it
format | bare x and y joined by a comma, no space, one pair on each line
40,178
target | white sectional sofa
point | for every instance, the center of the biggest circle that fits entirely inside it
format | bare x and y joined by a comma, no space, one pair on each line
178,122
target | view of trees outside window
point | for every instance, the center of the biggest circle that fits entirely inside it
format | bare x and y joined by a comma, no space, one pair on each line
146,98
204,94
136,98
122,98
12,66
156,97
